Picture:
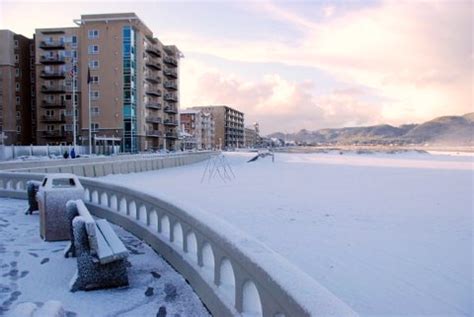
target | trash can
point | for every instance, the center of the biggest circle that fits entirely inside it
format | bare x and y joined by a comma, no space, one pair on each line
52,196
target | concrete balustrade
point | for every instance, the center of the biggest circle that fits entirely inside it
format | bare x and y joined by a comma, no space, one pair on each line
232,273
98,167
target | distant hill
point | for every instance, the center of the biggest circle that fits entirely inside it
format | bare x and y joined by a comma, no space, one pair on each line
448,130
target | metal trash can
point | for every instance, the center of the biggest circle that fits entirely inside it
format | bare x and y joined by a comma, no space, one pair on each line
32,188
55,191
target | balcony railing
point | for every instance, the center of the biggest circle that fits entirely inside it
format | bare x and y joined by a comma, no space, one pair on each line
171,135
51,45
53,119
53,74
53,89
171,97
153,50
153,119
170,122
153,105
153,133
151,77
170,109
46,59
171,85
170,73
170,61
53,104
154,91
152,63
54,134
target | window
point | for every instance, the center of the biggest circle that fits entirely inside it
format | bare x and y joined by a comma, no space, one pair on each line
17,86
17,72
93,34
18,129
17,58
94,95
16,43
94,111
74,41
17,100
18,114
94,79
94,64
93,49
94,127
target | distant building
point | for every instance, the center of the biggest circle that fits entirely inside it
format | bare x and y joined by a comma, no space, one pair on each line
251,136
229,126
199,125
16,79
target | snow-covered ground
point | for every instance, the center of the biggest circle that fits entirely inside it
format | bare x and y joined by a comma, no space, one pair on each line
32,270
388,234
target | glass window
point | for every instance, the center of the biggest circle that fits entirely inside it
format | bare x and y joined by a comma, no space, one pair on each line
74,41
94,64
93,49
93,34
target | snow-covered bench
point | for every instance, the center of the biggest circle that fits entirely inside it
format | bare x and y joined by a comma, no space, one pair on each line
101,256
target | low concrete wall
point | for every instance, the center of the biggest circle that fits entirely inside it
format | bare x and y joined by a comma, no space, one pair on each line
232,273
111,165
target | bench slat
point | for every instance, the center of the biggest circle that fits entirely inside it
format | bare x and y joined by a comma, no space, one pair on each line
104,252
119,251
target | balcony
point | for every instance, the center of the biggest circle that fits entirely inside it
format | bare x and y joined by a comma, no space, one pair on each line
155,79
52,45
170,61
54,134
53,119
170,109
46,59
171,85
171,135
153,105
53,74
152,63
53,104
53,89
153,91
153,50
153,133
170,122
170,73
171,97
153,119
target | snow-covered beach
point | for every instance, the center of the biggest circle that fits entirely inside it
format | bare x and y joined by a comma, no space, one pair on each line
387,234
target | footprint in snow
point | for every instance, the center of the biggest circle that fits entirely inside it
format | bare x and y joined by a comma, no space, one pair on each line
155,274
149,291
45,260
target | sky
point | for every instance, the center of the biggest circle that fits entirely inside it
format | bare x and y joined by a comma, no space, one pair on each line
302,64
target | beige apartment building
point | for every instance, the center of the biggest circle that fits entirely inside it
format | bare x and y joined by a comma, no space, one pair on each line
198,125
228,126
126,84
16,107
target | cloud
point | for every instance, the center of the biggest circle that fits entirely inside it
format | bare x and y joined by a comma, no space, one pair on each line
277,104
416,56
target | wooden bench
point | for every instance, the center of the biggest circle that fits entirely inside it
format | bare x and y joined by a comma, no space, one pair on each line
101,255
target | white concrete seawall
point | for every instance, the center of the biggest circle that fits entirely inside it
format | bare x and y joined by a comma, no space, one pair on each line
232,273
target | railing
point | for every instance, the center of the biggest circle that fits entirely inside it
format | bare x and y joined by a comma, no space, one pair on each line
153,90
170,109
153,133
153,105
170,60
170,122
53,88
153,50
54,119
171,97
53,104
52,74
153,119
171,135
51,44
171,85
46,59
170,73
232,273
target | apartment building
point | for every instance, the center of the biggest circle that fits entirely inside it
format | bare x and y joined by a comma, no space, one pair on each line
228,126
126,84
198,127
16,108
